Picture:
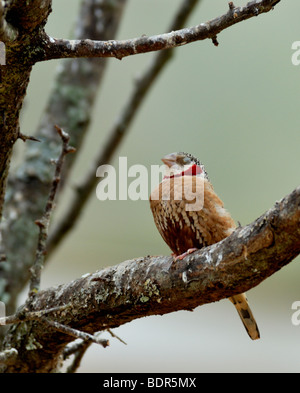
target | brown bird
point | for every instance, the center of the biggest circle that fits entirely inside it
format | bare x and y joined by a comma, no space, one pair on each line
189,215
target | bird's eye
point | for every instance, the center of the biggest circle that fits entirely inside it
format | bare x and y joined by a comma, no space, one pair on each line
186,160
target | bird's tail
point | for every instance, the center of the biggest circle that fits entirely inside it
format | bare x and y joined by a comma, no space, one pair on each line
241,304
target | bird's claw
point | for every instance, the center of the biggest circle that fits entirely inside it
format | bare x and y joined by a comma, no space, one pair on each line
181,256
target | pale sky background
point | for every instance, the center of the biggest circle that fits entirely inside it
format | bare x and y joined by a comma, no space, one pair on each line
235,107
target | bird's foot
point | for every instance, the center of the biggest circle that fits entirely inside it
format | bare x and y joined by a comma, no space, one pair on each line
181,256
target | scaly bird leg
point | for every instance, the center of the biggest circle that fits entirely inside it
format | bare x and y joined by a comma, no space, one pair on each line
181,256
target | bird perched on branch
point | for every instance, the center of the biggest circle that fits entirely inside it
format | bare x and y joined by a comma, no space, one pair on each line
189,215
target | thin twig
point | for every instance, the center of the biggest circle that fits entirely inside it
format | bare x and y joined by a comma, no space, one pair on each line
72,348
62,48
28,137
115,336
78,355
74,332
77,348
117,133
44,222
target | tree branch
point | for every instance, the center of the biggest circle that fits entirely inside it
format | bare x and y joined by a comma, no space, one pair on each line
21,23
117,133
61,48
7,32
74,333
78,349
158,285
70,105
28,15
44,222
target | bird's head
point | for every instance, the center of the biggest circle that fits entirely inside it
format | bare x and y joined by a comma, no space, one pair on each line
183,164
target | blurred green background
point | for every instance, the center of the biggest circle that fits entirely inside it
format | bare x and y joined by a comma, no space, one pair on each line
235,107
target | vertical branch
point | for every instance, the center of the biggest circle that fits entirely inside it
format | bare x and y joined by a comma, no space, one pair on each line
81,349
44,222
70,105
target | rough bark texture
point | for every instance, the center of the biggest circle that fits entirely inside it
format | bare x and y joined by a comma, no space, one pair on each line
70,106
132,289
52,48
27,20
22,27
157,285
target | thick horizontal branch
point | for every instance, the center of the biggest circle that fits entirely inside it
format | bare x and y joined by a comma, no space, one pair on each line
61,48
158,285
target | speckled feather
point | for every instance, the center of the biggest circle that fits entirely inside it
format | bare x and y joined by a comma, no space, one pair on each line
182,229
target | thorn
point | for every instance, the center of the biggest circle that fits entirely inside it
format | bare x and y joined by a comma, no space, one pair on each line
118,57
70,149
26,137
215,41
64,135
39,223
117,337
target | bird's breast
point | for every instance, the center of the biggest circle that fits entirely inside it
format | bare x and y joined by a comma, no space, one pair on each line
188,213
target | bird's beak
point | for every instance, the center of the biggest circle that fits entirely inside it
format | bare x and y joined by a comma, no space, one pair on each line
169,159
